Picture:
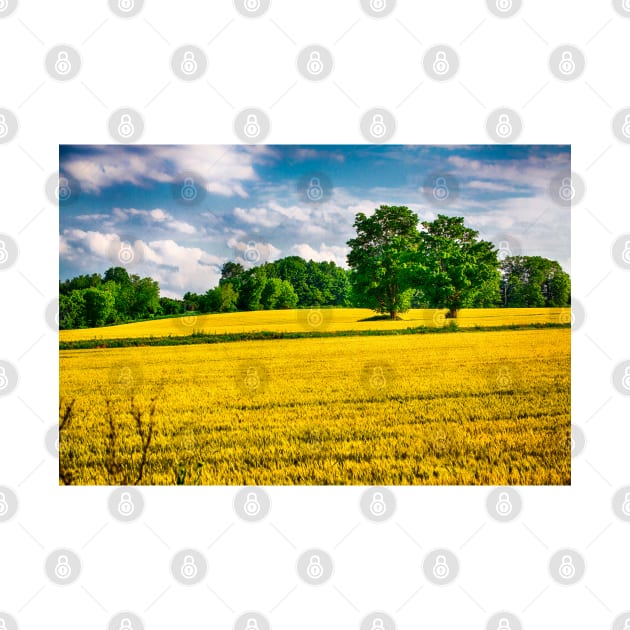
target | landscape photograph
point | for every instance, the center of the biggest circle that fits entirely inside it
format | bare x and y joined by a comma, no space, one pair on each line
314,315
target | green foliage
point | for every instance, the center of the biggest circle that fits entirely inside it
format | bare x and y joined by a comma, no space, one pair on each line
529,281
452,267
377,258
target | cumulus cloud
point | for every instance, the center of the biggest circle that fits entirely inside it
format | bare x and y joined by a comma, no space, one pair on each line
177,268
224,170
325,253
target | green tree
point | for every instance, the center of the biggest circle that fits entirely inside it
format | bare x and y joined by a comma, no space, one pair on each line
377,258
99,306
451,263
72,310
250,296
534,281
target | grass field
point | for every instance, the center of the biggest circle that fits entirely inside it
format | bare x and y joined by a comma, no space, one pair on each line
466,408
316,320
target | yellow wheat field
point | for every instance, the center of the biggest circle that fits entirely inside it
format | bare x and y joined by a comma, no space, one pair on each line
460,408
316,320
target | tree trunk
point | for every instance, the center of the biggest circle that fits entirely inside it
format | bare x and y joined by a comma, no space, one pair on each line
392,314
452,313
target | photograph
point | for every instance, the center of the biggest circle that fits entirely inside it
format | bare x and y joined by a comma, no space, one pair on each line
268,315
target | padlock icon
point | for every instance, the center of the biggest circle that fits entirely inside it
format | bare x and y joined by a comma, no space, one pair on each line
315,192
567,568
126,378
625,381
625,506
252,624
314,569
504,505
378,624
504,126
503,624
567,63
252,254
126,255
252,380
4,128
189,190
252,504
125,505
4,254
189,569
567,190
4,381
4,506
440,63
440,190
189,63
252,126
252,5
625,129
63,570
441,569
378,5
314,64
63,192
126,5
377,504
625,254
504,5
504,249
126,127
377,380
63,65
125,624
377,127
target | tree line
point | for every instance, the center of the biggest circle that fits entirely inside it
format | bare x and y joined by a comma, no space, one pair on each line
397,263
394,264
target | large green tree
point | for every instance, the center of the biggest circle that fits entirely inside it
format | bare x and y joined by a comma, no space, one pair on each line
451,266
379,256
530,281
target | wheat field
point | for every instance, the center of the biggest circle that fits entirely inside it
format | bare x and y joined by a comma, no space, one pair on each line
317,320
478,407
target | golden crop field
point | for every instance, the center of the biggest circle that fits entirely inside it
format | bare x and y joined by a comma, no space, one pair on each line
315,320
478,407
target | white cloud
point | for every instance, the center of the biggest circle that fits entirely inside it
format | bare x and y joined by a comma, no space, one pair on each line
157,216
223,170
177,268
325,253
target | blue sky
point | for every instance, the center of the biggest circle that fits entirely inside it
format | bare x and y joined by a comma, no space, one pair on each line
259,203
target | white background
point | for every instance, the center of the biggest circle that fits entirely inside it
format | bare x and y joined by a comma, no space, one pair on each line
251,62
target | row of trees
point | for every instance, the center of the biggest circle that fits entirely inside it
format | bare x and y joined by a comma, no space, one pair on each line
395,264
94,300
285,283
